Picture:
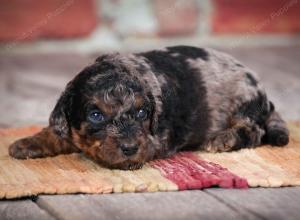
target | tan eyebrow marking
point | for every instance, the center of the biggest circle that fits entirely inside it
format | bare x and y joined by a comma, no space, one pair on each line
139,102
106,109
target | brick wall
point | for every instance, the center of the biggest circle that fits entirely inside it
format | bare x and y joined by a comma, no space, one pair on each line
22,20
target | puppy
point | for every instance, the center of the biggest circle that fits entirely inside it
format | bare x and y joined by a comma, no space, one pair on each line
124,110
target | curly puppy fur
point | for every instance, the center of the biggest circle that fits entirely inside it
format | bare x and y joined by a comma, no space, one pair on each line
150,105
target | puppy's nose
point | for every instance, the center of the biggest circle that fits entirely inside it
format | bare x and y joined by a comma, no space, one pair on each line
129,149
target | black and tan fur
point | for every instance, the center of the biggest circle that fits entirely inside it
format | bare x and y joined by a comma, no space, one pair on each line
193,98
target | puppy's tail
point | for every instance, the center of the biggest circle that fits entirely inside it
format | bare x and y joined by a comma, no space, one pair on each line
277,133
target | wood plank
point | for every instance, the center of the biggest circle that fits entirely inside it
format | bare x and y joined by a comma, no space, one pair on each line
172,205
22,209
71,207
267,203
161,205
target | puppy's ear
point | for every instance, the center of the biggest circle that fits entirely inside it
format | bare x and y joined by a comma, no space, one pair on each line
154,124
59,118
156,110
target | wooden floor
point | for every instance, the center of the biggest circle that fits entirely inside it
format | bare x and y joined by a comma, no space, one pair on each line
29,87
208,204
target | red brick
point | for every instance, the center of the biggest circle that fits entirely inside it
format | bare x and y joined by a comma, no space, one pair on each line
31,19
256,16
176,17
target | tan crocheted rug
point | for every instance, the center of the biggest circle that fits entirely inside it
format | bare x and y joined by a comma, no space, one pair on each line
264,166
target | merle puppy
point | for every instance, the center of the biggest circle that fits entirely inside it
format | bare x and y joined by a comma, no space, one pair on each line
124,110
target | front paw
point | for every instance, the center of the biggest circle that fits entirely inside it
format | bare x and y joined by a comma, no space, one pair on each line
223,142
25,148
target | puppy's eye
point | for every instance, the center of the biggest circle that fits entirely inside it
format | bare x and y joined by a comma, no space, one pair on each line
141,114
95,116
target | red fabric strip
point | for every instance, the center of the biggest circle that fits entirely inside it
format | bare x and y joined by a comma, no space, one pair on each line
188,171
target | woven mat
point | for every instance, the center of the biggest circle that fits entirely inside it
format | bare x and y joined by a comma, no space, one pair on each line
264,166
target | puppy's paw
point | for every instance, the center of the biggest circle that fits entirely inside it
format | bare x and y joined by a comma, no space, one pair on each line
278,137
25,148
250,136
224,141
